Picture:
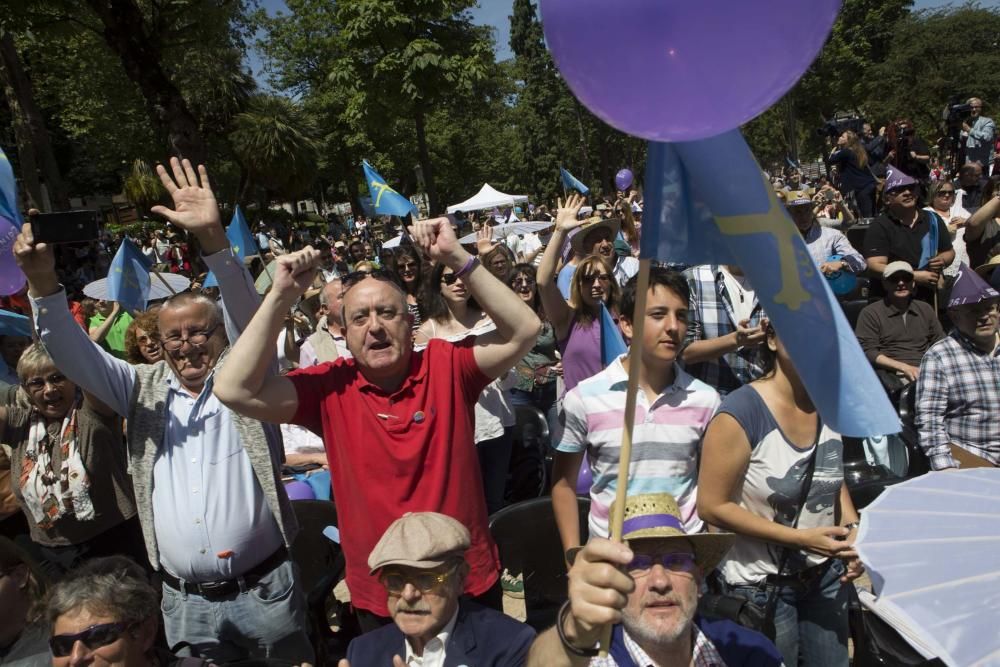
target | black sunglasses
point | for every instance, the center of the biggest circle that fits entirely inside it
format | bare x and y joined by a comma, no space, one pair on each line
355,277
93,638
449,278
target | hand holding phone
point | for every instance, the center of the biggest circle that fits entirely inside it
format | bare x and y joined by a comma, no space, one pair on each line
65,227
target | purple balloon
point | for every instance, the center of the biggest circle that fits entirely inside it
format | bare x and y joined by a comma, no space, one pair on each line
297,490
671,70
11,277
623,179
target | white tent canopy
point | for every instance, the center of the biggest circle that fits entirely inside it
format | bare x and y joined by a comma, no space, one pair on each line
487,197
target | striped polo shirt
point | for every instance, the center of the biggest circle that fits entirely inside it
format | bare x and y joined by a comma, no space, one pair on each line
666,439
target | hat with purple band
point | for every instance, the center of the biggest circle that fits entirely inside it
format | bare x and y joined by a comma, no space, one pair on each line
656,516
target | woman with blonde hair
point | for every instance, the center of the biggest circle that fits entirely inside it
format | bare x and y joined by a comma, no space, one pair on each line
856,179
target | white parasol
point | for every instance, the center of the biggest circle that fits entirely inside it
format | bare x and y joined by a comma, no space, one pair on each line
161,285
508,228
931,545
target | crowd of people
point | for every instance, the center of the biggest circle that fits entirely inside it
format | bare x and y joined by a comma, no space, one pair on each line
145,455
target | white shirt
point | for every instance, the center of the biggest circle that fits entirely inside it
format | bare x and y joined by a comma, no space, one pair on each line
435,649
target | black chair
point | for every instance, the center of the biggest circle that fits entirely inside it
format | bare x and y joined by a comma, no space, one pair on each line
852,310
321,567
529,544
529,469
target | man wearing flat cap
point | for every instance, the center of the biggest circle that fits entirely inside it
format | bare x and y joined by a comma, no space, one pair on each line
420,561
958,389
650,594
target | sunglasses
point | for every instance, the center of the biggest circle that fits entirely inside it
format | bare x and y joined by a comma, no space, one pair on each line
523,280
425,582
93,638
449,278
945,193
898,191
672,562
591,277
355,277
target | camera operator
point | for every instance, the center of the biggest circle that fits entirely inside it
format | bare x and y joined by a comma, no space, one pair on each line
875,147
856,179
979,136
908,152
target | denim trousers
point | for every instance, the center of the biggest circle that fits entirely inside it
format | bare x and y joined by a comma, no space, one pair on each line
810,623
266,621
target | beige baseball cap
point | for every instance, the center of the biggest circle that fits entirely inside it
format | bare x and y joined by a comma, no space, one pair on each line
893,268
420,539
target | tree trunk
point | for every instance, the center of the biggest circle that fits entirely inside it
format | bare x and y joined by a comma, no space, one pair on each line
425,163
33,141
126,33
353,195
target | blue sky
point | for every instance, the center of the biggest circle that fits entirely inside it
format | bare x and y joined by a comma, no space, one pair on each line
496,14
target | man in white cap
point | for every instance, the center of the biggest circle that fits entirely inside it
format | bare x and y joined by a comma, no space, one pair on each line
420,561
897,330
958,389
648,588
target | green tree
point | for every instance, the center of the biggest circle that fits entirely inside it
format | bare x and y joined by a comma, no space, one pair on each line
142,187
274,141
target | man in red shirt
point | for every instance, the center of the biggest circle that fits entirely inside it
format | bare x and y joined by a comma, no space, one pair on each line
397,424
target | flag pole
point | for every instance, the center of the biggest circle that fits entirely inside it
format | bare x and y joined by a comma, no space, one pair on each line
625,456
164,281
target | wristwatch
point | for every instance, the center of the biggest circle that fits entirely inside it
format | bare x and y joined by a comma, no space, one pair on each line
575,650
853,525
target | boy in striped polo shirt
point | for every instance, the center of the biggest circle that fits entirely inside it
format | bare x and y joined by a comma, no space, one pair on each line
672,411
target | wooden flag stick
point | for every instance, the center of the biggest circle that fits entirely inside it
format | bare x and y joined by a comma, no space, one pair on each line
164,281
625,457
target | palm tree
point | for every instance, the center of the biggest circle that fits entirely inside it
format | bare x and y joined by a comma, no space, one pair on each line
274,140
142,187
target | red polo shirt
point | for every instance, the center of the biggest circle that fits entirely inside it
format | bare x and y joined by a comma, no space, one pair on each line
408,451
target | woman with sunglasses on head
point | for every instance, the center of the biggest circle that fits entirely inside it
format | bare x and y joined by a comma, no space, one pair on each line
68,470
23,635
106,613
942,201
453,315
408,269
537,372
773,473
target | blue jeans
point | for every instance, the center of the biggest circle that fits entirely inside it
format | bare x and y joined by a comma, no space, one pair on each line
267,621
543,398
810,624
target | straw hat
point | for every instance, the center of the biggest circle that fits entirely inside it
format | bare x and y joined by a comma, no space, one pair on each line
614,224
656,516
984,270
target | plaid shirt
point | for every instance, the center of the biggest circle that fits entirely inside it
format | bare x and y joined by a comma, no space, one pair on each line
711,315
958,392
705,653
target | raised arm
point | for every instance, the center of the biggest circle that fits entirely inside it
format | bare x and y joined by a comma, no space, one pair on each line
196,211
977,221
81,359
559,312
244,381
100,332
517,325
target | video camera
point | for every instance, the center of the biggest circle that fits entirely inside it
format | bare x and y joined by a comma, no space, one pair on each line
955,112
837,125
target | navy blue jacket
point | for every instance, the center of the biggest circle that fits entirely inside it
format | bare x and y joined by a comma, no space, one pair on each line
738,646
482,638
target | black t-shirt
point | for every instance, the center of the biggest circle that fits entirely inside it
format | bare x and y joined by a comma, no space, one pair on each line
887,237
914,168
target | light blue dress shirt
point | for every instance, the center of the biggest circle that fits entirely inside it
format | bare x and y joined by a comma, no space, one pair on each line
206,499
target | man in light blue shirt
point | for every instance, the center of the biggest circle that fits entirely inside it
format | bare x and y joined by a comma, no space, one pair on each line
979,136
215,516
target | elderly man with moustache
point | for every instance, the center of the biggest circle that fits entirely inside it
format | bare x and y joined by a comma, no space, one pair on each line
397,423
420,562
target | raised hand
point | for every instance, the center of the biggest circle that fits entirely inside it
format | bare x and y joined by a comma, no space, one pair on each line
566,217
484,239
597,592
436,238
37,261
195,209
294,272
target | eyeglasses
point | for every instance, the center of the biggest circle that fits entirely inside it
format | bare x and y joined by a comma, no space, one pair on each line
38,384
523,280
945,193
677,561
449,278
425,582
355,277
197,339
93,638
591,277
409,266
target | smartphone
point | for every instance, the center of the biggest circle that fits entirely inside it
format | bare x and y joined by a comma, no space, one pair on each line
828,195
65,226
